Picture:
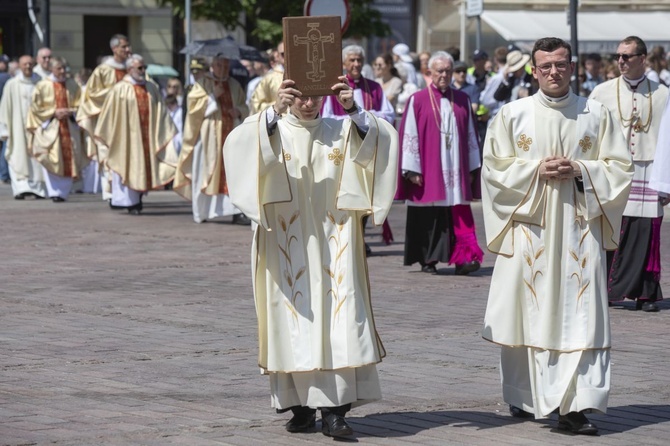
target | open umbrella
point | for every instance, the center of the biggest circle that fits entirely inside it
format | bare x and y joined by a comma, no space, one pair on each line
155,70
249,52
213,47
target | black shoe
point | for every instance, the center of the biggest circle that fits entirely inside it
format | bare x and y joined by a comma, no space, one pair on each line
368,250
333,425
20,196
577,423
57,199
518,412
649,306
430,269
301,422
241,219
463,269
135,209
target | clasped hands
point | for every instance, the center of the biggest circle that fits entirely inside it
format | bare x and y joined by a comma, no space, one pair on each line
287,94
62,113
559,168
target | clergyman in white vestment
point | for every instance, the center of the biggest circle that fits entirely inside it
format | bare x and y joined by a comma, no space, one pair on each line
24,171
555,182
307,182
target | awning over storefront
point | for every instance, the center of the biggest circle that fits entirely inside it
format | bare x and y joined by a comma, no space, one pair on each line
596,31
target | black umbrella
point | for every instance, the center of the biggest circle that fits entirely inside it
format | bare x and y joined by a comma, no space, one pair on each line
213,47
249,52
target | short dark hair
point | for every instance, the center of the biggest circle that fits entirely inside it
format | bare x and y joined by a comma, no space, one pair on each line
594,57
550,44
640,46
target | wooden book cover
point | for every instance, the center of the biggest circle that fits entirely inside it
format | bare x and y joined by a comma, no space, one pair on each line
313,53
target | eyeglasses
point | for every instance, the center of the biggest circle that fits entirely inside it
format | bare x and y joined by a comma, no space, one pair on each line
141,67
378,65
560,67
626,57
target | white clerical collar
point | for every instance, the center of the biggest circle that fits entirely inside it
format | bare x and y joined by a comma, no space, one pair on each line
114,64
133,81
22,78
554,100
53,78
633,83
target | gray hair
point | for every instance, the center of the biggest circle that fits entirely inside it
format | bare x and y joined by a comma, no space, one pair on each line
440,55
132,58
116,40
57,60
353,49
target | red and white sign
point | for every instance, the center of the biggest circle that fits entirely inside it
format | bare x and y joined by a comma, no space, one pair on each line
329,7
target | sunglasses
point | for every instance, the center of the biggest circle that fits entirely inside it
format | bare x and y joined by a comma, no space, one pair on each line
626,57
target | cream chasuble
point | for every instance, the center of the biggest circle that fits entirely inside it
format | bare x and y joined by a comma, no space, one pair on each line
119,130
548,288
25,171
200,172
265,93
638,113
307,186
59,157
98,86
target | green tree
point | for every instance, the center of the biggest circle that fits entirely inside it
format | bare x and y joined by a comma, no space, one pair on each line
262,18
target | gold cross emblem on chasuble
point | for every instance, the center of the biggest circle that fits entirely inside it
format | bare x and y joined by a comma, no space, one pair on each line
585,143
524,142
336,157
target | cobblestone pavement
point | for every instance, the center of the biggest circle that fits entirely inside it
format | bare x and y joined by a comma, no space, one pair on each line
123,330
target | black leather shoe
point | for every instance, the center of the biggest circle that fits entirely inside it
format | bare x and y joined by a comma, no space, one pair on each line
333,425
518,412
430,269
57,199
241,219
646,305
577,423
464,269
301,422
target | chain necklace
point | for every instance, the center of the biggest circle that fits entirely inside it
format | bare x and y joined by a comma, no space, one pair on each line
634,121
436,109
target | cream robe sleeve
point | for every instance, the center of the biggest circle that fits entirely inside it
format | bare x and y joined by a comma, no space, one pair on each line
255,170
369,173
511,188
607,179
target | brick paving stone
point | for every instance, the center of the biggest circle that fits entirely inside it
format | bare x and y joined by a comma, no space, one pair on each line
122,330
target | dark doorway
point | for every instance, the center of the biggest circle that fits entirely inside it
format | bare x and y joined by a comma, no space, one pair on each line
15,30
97,32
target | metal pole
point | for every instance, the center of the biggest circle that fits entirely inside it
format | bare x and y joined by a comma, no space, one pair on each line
479,32
47,23
574,43
187,19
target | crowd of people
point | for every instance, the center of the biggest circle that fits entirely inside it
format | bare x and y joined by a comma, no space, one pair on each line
572,188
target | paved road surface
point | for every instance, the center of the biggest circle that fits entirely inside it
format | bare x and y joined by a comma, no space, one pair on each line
122,330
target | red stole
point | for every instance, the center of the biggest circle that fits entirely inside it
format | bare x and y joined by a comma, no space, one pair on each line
119,74
144,110
60,93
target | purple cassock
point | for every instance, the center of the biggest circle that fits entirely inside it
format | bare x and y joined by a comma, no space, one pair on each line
372,95
433,188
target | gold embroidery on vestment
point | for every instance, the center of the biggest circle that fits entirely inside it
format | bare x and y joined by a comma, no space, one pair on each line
585,143
531,256
289,275
338,271
336,157
524,142
581,266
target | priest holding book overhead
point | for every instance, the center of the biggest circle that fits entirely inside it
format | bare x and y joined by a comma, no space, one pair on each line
317,337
